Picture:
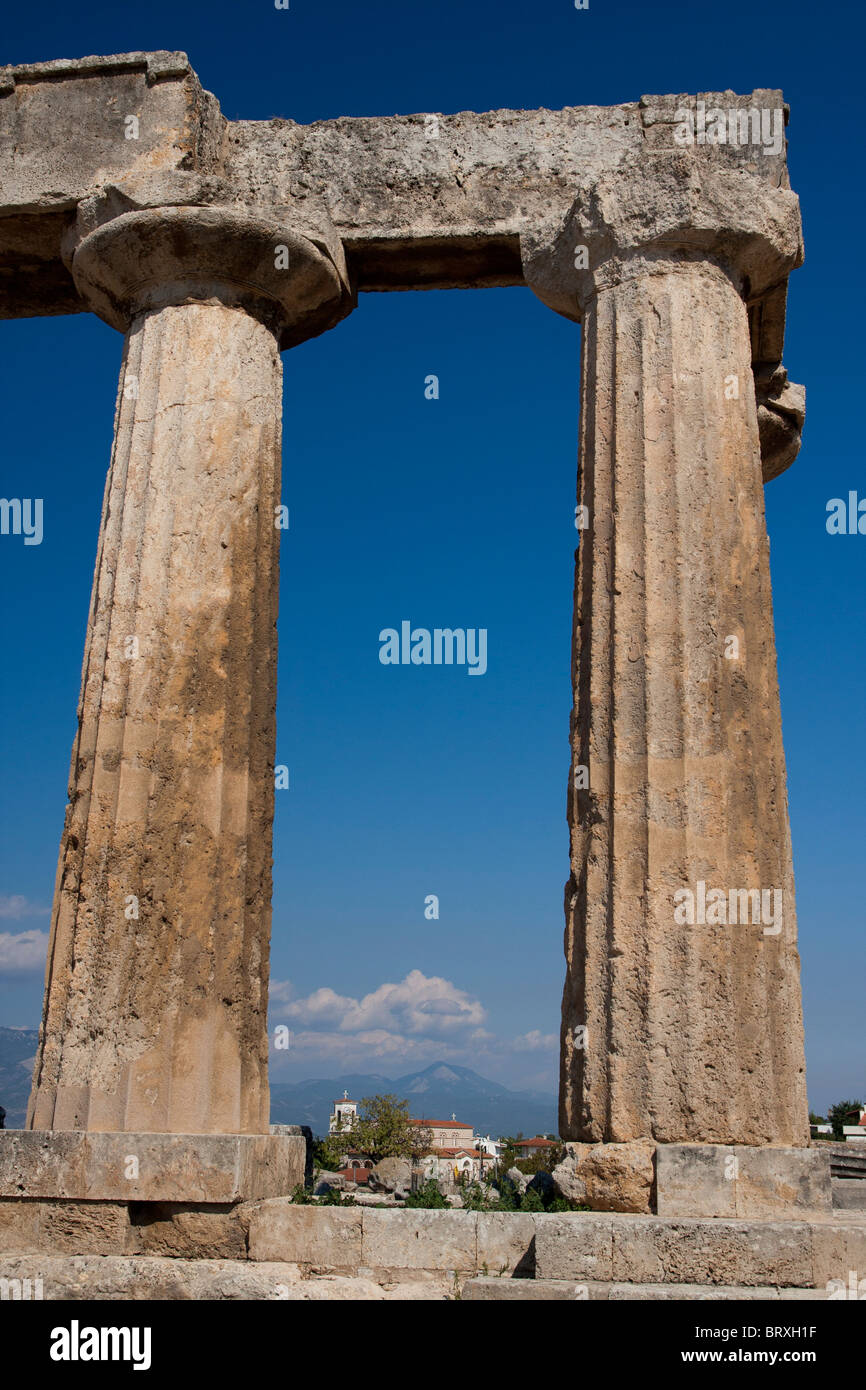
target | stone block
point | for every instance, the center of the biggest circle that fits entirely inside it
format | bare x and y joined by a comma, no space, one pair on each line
91,97
326,1237
487,1290
506,1243
576,1245
743,1181
19,1225
699,1293
711,1251
849,1194
630,1249
65,1227
202,1168
608,1177
481,1290
838,1247
411,1239
690,1181
161,1228
149,1277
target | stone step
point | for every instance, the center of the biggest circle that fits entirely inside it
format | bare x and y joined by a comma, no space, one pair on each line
849,1194
143,1277
849,1167
619,1248
488,1290
846,1160
604,1247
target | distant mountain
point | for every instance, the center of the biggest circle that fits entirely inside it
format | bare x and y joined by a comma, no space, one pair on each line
17,1051
436,1093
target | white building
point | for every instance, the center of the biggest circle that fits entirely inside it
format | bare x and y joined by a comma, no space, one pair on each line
491,1147
448,1164
449,1134
344,1115
454,1151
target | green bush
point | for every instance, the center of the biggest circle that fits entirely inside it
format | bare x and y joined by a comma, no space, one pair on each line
427,1197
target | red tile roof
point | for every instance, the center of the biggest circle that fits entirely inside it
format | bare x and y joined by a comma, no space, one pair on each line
358,1175
442,1124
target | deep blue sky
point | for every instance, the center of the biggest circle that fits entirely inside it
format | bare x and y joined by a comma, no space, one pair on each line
456,512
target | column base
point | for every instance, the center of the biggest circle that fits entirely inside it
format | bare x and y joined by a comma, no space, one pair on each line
693,1180
129,1167
742,1181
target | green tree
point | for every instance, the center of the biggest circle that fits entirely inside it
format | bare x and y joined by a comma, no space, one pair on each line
844,1112
384,1129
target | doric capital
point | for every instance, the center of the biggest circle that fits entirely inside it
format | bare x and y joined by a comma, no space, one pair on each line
182,239
660,209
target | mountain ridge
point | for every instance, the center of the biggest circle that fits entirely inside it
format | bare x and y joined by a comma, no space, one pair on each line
443,1087
434,1093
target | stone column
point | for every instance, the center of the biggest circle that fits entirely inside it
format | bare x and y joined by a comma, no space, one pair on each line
156,989
678,1025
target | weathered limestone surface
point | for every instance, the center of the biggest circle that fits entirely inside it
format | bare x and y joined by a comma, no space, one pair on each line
189,1231
282,1231
849,1194
692,1031
149,1167
613,1255
60,1227
713,1180
505,1243
419,201
485,1290
608,1177
642,1249
654,1250
386,1241
88,1278
86,103
419,1242
157,1022
153,1277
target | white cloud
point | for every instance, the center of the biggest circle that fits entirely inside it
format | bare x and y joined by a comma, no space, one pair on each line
536,1041
280,992
420,1019
419,1006
23,952
16,906
363,1047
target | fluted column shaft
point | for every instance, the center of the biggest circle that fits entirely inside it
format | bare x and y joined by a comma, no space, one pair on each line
671,1030
155,1005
